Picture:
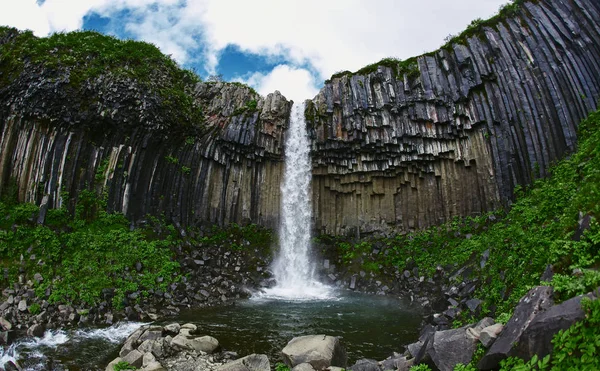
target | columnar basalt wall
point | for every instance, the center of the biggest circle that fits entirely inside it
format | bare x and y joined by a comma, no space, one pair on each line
451,133
228,171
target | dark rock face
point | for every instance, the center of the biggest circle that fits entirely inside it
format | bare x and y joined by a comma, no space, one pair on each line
456,131
396,149
227,169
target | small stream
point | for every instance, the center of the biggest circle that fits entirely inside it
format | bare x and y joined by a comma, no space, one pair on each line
370,326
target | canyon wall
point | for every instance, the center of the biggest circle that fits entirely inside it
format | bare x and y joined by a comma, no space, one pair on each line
113,136
404,145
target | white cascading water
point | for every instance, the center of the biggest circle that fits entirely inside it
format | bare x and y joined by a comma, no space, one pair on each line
293,267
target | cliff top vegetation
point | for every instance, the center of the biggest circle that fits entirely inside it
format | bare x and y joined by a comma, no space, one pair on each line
410,66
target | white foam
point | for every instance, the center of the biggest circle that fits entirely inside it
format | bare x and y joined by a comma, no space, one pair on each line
51,339
114,334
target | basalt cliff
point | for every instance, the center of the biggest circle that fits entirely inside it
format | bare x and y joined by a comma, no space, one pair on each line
396,146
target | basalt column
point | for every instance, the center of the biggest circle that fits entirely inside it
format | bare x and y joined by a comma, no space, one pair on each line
405,145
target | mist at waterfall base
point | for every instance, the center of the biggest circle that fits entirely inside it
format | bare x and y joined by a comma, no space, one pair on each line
293,268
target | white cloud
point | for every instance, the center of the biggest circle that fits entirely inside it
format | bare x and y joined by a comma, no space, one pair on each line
294,83
24,15
329,35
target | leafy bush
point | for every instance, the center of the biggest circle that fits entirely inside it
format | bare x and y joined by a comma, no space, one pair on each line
124,365
84,254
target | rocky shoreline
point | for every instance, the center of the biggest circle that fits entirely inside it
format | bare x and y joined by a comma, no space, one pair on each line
528,333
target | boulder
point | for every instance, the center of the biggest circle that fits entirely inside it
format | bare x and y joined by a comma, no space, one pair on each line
36,330
7,326
536,300
253,362
537,338
172,329
207,344
397,363
365,365
303,367
321,351
153,366
134,358
449,348
489,334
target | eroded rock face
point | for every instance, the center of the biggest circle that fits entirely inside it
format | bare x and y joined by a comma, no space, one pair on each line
223,170
456,130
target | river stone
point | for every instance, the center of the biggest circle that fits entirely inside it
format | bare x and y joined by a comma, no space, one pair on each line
134,358
536,300
36,330
253,362
153,366
303,367
172,328
399,363
207,344
365,365
151,334
147,359
22,305
5,324
190,326
321,351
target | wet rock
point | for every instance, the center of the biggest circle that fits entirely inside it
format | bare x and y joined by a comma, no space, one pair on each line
5,324
172,328
365,365
36,330
398,363
321,351
253,362
12,366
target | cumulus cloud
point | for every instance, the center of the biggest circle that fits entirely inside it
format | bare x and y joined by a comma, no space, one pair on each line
294,83
328,36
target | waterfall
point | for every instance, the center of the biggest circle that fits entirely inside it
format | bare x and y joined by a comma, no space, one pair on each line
293,268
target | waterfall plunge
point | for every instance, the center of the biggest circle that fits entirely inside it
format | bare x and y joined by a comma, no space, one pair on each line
293,267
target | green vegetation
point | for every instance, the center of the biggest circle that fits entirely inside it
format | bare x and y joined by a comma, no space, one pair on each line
124,365
421,367
81,255
249,107
281,367
35,308
541,228
87,55
400,68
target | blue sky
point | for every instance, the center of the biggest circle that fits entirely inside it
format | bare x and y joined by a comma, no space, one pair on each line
285,45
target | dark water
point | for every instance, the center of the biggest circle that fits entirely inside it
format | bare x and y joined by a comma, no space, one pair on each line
370,327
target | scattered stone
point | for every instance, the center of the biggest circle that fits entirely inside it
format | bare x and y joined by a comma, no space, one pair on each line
253,362
172,328
7,326
22,305
365,365
321,351
36,330
450,348
134,358
489,334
